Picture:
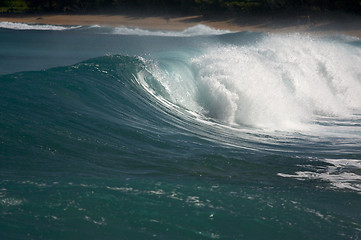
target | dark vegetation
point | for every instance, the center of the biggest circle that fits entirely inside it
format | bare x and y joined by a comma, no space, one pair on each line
184,6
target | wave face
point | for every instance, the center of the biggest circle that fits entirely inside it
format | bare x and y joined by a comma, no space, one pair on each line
226,136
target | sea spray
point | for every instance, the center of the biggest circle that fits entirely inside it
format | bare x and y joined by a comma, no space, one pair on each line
281,82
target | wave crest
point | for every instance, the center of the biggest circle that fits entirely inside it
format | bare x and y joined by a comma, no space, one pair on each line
197,30
280,82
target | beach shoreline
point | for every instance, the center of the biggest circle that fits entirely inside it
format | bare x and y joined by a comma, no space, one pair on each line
329,24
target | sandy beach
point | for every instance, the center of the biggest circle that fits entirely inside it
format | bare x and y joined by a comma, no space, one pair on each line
335,23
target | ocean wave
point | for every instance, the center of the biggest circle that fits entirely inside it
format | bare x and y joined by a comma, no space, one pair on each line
134,136
197,30
280,82
27,26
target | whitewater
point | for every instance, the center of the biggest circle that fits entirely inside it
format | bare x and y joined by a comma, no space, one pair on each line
128,133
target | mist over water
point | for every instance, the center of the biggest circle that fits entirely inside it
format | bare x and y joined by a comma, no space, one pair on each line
197,134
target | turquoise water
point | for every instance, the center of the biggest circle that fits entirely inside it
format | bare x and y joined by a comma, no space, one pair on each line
124,133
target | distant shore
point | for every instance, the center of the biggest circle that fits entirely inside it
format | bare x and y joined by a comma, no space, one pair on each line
314,24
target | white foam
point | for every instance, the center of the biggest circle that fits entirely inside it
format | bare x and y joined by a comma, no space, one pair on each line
9,202
281,82
197,30
26,26
339,174
344,163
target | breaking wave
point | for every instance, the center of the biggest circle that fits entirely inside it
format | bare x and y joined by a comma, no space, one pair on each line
43,27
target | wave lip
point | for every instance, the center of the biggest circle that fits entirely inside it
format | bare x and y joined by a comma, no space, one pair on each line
43,27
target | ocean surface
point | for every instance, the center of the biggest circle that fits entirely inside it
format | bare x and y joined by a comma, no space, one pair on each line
126,133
